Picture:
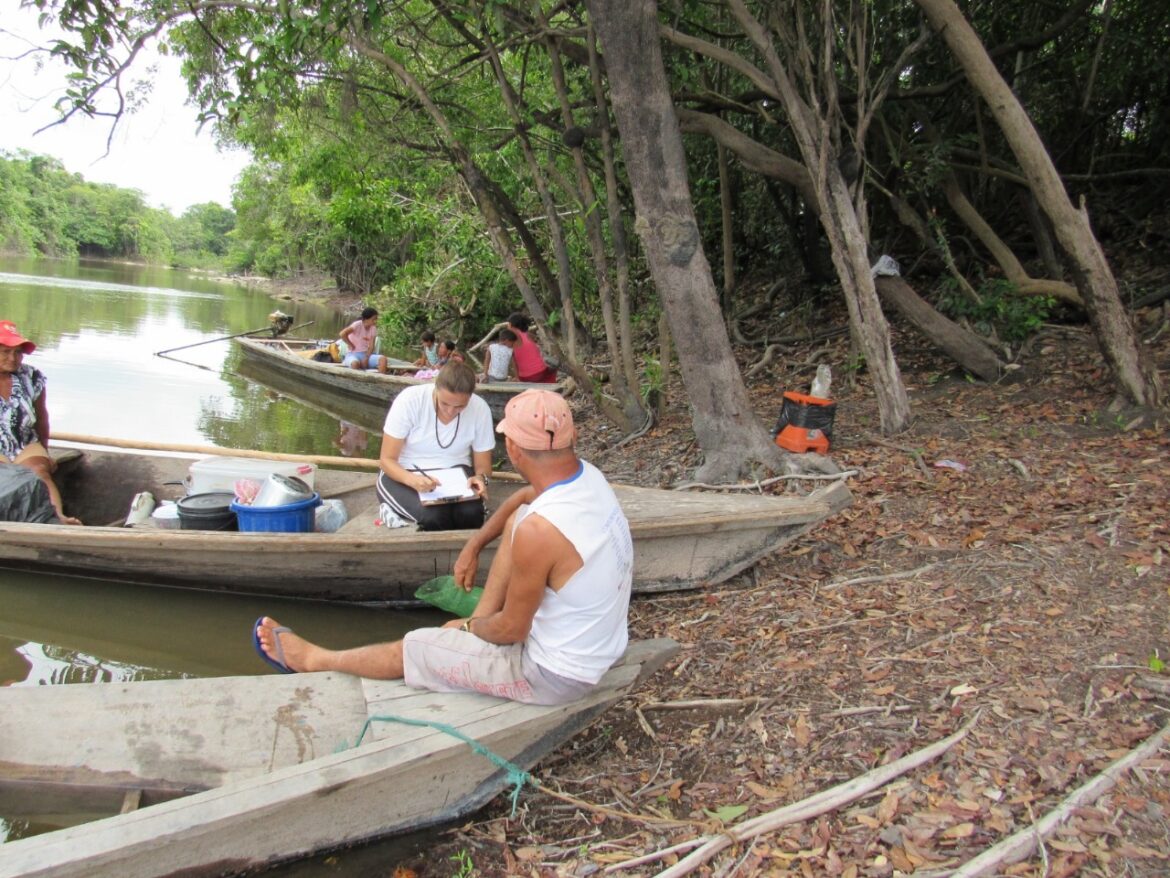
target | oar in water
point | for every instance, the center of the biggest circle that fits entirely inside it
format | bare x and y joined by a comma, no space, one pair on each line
268,329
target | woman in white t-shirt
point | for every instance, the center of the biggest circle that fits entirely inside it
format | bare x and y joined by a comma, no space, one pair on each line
431,427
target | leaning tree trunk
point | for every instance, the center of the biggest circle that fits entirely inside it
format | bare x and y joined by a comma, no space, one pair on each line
961,345
1136,376
843,229
725,425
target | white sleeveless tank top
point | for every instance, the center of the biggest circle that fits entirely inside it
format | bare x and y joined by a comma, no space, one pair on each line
579,631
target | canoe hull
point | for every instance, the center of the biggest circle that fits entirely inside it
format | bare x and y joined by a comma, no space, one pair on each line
681,540
402,776
367,385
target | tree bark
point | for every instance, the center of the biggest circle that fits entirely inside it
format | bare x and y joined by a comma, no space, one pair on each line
726,427
844,227
1136,376
961,345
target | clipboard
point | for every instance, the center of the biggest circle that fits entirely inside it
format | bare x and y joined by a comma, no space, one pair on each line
453,487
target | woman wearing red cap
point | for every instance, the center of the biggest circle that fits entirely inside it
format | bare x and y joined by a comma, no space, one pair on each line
24,415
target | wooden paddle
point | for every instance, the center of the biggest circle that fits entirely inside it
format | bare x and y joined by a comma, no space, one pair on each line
178,448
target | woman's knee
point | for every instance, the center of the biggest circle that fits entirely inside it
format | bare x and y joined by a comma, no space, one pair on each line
467,516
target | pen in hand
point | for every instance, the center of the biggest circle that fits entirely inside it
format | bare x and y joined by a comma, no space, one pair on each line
431,482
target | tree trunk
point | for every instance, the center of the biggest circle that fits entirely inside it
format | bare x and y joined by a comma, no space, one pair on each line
843,224
961,345
726,427
1136,376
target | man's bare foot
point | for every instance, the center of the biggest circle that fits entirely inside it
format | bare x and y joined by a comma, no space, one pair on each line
284,647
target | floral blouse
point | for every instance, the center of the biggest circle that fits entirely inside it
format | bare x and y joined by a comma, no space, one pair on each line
18,417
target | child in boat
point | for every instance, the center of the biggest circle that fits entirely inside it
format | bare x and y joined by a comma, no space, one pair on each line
530,364
430,351
498,364
361,337
448,354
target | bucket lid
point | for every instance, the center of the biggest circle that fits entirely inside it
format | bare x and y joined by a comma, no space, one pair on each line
213,500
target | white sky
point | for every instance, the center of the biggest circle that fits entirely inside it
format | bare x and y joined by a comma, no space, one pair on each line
155,150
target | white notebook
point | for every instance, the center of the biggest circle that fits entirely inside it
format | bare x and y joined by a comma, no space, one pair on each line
452,488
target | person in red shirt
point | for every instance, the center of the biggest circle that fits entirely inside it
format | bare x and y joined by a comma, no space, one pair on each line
530,364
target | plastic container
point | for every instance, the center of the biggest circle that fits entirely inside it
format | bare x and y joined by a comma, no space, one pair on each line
296,517
166,516
207,511
442,592
805,423
221,473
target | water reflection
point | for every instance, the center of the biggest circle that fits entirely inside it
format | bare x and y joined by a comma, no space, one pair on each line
98,327
65,629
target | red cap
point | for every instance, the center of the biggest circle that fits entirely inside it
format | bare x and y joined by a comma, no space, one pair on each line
10,337
538,420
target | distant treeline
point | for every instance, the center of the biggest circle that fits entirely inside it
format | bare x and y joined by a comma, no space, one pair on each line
47,211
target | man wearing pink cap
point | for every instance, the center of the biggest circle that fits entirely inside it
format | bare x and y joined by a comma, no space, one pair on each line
24,414
552,619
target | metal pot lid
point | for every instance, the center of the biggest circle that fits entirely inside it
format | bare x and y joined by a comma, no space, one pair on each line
210,500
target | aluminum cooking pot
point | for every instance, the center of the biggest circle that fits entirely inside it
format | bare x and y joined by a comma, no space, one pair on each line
279,490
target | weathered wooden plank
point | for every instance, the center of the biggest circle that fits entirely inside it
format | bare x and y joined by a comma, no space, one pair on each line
405,778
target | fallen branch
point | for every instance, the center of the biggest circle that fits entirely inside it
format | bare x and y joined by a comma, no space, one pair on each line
765,359
1016,847
814,806
703,704
861,580
755,486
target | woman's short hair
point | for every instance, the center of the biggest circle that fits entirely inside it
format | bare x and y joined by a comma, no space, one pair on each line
456,378
367,313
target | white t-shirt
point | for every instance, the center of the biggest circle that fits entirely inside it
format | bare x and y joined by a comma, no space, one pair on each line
580,631
429,444
501,358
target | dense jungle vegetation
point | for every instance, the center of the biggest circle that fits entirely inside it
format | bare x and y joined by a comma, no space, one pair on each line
47,211
645,179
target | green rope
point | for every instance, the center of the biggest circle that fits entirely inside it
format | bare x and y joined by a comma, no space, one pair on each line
516,775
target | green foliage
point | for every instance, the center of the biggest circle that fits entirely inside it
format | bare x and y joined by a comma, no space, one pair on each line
1155,663
1000,309
464,867
46,211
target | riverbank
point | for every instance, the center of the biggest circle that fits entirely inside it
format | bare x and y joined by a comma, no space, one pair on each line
1003,565
315,288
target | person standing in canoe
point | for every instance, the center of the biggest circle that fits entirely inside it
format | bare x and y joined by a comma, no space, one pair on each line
24,413
553,616
530,364
361,337
432,427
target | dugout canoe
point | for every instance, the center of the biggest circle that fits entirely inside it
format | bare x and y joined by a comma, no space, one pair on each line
283,355
681,540
221,775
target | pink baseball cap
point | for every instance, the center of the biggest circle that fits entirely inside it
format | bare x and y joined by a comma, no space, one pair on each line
538,420
11,337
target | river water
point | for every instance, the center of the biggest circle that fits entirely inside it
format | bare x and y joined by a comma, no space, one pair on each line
98,328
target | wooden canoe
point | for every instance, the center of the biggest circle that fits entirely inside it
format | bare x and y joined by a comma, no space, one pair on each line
226,774
281,355
681,540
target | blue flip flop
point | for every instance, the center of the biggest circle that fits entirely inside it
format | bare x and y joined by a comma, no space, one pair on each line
277,663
